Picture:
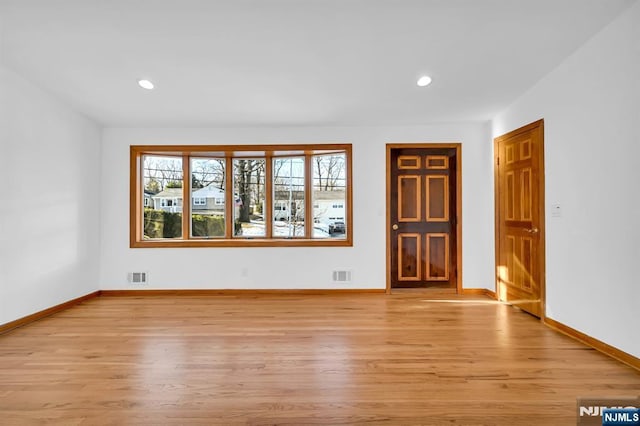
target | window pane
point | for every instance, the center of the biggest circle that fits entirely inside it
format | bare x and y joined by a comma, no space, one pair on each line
207,197
162,197
329,196
249,196
288,197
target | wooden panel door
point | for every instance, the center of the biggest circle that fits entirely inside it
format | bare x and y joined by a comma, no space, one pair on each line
422,215
520,218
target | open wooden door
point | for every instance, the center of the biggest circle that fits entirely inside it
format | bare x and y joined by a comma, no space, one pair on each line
519,181
423,215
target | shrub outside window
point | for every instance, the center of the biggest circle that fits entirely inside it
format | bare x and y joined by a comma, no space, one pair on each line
244,195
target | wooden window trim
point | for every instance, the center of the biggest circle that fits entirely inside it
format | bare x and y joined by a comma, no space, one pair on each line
229,199
268,152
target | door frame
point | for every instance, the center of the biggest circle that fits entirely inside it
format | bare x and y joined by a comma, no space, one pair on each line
539,124
427,145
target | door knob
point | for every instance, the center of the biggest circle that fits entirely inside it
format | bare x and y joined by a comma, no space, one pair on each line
395,227
533,230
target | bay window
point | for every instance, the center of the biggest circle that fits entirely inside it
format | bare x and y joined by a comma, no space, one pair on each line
244,195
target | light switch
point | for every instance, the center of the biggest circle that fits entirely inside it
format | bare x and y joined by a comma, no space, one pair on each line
556,210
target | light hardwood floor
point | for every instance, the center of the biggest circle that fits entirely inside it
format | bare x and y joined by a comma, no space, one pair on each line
296,360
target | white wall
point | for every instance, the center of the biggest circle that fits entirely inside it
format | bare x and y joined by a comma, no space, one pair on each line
283,267
49,214
591,108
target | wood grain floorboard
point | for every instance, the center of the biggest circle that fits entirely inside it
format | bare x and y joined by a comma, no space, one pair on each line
374,359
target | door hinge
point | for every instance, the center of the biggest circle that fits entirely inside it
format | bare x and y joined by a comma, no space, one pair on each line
497,161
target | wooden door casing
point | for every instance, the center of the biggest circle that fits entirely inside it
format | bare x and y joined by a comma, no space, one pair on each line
422,211
519,180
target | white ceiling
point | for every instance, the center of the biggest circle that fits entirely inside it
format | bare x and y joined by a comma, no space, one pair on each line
293,62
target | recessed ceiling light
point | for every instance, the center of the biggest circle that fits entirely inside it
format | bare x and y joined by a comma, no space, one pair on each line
145,84
425,80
